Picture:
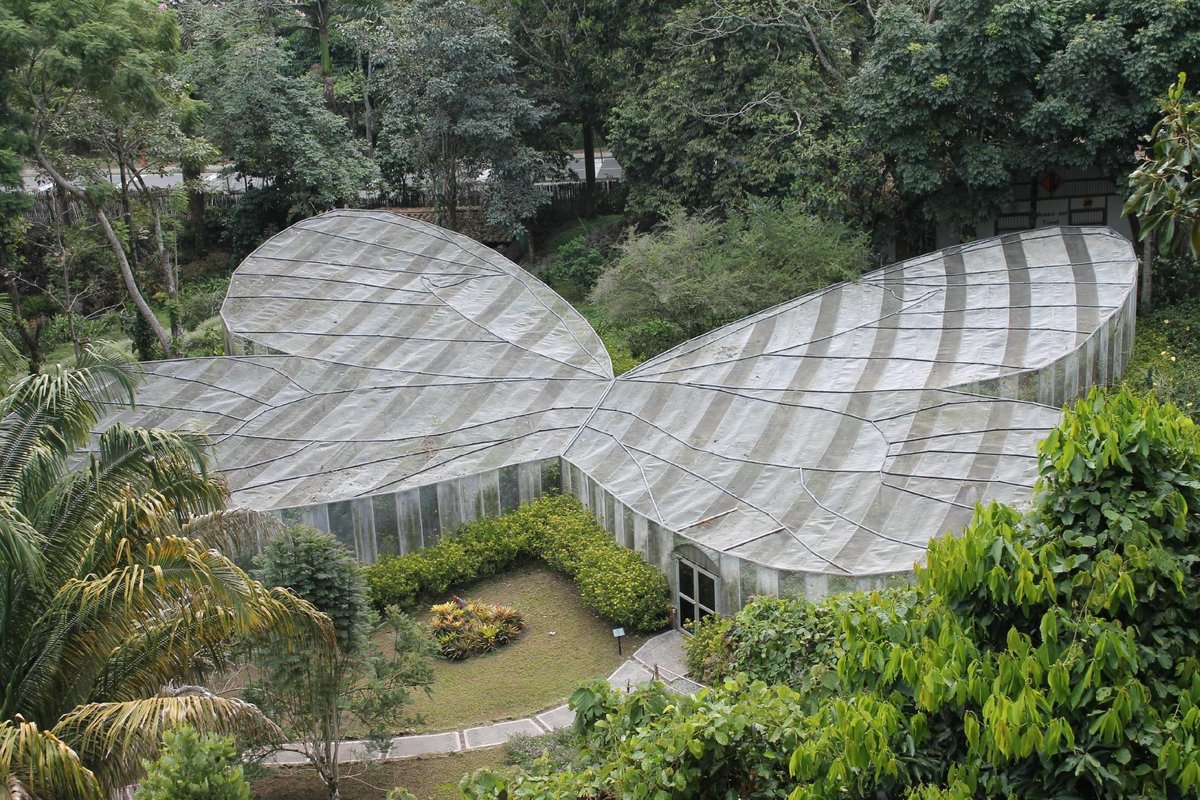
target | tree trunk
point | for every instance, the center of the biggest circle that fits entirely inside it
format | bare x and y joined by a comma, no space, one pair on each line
326,58
164,265
114,243
30,331
1145,297
195,207
589,169
367,110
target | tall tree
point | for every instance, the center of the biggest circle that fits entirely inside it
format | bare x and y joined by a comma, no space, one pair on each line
964,97
1164,190
742,101
310,697
269,120
142,144
567,49
114,601
113,53
458,115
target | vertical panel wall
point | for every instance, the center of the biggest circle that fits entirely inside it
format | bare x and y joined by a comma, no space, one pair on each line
401,522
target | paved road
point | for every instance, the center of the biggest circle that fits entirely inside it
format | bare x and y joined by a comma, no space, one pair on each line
606,167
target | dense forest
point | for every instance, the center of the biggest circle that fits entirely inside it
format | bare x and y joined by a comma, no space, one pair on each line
880,118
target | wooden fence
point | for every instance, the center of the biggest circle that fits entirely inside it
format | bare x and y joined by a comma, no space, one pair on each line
567,201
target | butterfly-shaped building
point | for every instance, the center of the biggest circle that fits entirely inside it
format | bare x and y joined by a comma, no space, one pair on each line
395,380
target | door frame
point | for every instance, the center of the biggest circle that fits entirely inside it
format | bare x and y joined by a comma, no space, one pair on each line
692,593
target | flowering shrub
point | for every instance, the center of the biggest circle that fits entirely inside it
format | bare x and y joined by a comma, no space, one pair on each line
462,628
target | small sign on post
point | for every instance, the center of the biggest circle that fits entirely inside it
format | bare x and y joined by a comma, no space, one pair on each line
617,634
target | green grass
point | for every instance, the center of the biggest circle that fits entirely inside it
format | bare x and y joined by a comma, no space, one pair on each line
427,777
563,645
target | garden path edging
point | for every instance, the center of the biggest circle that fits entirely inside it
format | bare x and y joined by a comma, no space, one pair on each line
660,658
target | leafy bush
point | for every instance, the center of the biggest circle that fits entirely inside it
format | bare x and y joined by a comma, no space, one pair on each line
706,652
462,629
206,340
194,767
1176,279
578,263
612,581
697,272
788,641
654,336
202,301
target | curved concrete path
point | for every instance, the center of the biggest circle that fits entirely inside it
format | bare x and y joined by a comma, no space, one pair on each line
661,658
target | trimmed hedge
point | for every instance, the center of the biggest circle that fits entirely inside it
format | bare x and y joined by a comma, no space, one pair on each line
614,582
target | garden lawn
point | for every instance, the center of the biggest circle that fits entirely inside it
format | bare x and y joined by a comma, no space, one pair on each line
563,645
428,777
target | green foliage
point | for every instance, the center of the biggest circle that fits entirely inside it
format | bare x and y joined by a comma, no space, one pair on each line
458,114
1176,278
650,337
308,694
194,767
615,338
207,340
733,104
1051,653
462,629
577,264
1166,355
270,121
698,273
962,99
201,301
1164,190
705,652
315,566
612,580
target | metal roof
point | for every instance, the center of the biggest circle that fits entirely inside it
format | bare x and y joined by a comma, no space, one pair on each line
835,433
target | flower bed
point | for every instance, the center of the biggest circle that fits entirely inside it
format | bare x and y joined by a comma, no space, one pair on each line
466,628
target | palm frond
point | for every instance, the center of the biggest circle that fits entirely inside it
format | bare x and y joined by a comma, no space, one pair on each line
72,644
138,484
38,763
117,736
20,544
233,531
111,374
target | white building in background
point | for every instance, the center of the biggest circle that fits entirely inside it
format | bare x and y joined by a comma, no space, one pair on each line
1057,197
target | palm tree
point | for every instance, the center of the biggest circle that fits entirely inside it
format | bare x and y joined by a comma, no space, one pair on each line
113,596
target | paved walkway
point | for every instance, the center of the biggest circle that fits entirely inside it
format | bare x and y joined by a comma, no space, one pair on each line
660,658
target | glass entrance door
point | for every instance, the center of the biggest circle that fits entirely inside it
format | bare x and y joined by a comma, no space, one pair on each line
696,597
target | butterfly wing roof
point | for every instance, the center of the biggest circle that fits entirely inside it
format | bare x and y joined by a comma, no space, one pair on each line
840,431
